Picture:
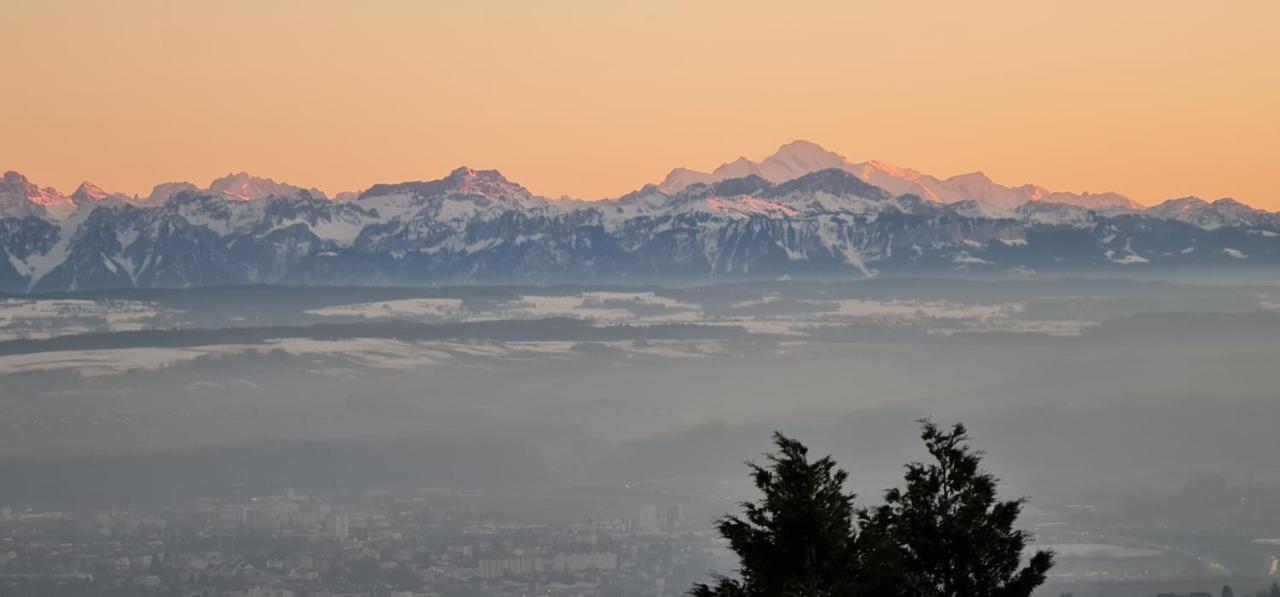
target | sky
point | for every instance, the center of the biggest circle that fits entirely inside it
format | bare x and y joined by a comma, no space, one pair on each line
590,99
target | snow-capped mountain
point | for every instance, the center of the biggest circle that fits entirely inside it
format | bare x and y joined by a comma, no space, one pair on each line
1223,212
475,225
163,191
803,157
237,186
242,186
20,197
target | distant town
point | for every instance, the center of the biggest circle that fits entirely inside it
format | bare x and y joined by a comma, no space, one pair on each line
428,542
444,542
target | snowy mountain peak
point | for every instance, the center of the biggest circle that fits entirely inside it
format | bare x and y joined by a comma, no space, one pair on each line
804,150
1101,201
1180,205
1203,214
977,177
792,160
485,183
13,197
831,181
242,186
1229,203
464,175
490,184
680,179
798,158
163,191
739,168
88,192
20,197
887,168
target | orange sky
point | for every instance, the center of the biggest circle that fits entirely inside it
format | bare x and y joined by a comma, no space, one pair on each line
591,98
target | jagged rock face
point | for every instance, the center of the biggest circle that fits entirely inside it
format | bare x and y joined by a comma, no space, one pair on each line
477,226
20,198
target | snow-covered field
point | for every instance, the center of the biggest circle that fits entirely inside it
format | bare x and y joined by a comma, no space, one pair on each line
771,314
91,363
42,318
342,356
605,306
443,308
596,306
860,308
648,307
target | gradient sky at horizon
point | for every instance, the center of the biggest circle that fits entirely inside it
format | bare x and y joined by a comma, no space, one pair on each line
1152,99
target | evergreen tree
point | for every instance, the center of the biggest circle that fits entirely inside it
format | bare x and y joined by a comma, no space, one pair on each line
1227,592
945,534
798,540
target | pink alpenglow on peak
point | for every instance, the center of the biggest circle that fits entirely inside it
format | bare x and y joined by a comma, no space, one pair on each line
487,183
20,197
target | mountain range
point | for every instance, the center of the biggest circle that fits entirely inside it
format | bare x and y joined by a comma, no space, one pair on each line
20,197
798,158
802,211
